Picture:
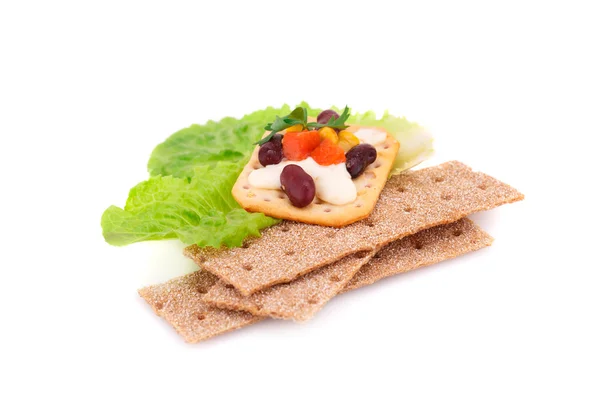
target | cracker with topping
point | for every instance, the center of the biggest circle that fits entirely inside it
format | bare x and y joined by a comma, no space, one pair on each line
333,184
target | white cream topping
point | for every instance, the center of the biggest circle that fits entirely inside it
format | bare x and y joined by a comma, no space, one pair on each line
370,136
333,183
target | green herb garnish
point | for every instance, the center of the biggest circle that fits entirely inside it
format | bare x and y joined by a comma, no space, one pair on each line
297,117
300,117
335,123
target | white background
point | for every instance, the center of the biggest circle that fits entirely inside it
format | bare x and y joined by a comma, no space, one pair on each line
510,88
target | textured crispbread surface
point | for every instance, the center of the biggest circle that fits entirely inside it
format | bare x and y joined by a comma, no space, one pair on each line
276,204
299,299
424,248
410,202
179,302
305,296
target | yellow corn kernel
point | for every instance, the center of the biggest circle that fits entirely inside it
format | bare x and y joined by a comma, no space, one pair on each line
295,128
328,133
347,140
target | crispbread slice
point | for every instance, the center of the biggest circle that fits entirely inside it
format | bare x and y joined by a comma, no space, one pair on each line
302,298
171,300
299,299
427,247
179,302
410,202
276,204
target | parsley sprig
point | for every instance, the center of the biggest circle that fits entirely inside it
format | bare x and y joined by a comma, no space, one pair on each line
335,123
299,116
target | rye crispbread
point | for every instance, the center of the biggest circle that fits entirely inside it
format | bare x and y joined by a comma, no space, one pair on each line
302,298
179,302
276,204
299,299
410,202
424,248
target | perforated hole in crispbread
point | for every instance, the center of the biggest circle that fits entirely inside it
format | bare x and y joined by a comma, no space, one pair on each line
361,254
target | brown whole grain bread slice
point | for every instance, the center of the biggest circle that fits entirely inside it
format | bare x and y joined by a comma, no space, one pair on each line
410,202
302,298
179,302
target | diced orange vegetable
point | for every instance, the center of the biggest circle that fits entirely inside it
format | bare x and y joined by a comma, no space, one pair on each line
298,145
328,153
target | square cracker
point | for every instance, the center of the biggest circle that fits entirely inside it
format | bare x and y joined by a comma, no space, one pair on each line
302,298
276,204
410,202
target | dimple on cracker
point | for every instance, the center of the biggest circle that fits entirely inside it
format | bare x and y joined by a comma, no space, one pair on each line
410,202
424,248
276,204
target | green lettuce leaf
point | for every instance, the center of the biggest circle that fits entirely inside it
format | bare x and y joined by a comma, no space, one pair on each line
192,172
229,139
199,210
416,144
